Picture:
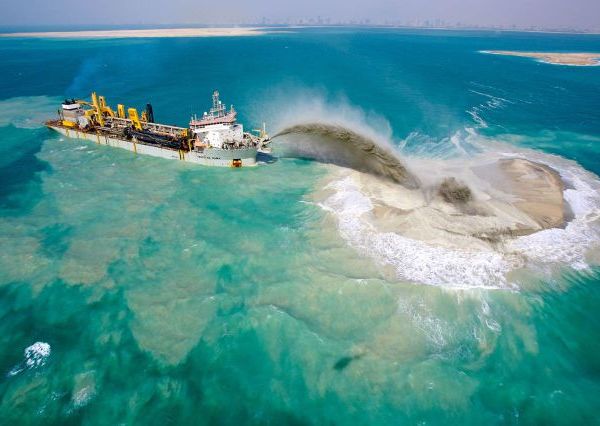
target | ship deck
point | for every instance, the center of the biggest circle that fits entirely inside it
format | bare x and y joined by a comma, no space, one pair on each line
106,132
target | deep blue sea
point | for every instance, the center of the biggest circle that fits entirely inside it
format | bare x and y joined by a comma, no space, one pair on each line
165,293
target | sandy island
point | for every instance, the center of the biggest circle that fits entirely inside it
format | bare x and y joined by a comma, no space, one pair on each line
147,33
581,59
511,198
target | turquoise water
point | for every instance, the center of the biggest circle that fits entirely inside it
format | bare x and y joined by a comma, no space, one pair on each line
174,294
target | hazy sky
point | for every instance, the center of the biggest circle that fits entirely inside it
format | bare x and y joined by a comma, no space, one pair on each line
547,13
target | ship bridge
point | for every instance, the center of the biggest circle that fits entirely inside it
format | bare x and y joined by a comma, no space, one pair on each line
216,115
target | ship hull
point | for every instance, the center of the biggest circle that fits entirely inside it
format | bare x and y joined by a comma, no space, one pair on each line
215,157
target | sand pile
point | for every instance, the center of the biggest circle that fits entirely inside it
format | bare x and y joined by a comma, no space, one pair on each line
514,197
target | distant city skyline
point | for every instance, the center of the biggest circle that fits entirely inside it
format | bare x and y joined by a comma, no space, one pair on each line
577,15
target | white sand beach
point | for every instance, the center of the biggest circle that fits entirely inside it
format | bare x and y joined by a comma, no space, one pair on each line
580,59
145,33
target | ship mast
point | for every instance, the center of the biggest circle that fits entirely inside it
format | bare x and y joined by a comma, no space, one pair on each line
217,114
218,109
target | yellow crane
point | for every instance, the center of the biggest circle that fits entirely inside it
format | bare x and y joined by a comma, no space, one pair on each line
98,110
133,116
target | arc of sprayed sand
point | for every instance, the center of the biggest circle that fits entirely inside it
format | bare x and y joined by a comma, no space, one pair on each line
371,157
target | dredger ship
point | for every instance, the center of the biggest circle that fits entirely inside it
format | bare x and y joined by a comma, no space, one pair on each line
214,139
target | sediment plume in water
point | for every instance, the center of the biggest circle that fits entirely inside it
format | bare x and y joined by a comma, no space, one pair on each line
335,144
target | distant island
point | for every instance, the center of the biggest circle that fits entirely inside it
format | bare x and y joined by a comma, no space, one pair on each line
144,33
268,26
579,59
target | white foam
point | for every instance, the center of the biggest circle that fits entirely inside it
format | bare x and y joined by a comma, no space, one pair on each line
571,244
456,141
491,102
420,145
436,331
83,396
495,101
412,260
474,113
37,354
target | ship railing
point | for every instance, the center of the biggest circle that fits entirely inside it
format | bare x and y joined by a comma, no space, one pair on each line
208,120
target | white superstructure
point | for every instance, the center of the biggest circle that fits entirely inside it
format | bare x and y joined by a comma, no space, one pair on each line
218,128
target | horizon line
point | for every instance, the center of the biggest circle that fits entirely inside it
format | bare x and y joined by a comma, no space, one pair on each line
9,29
